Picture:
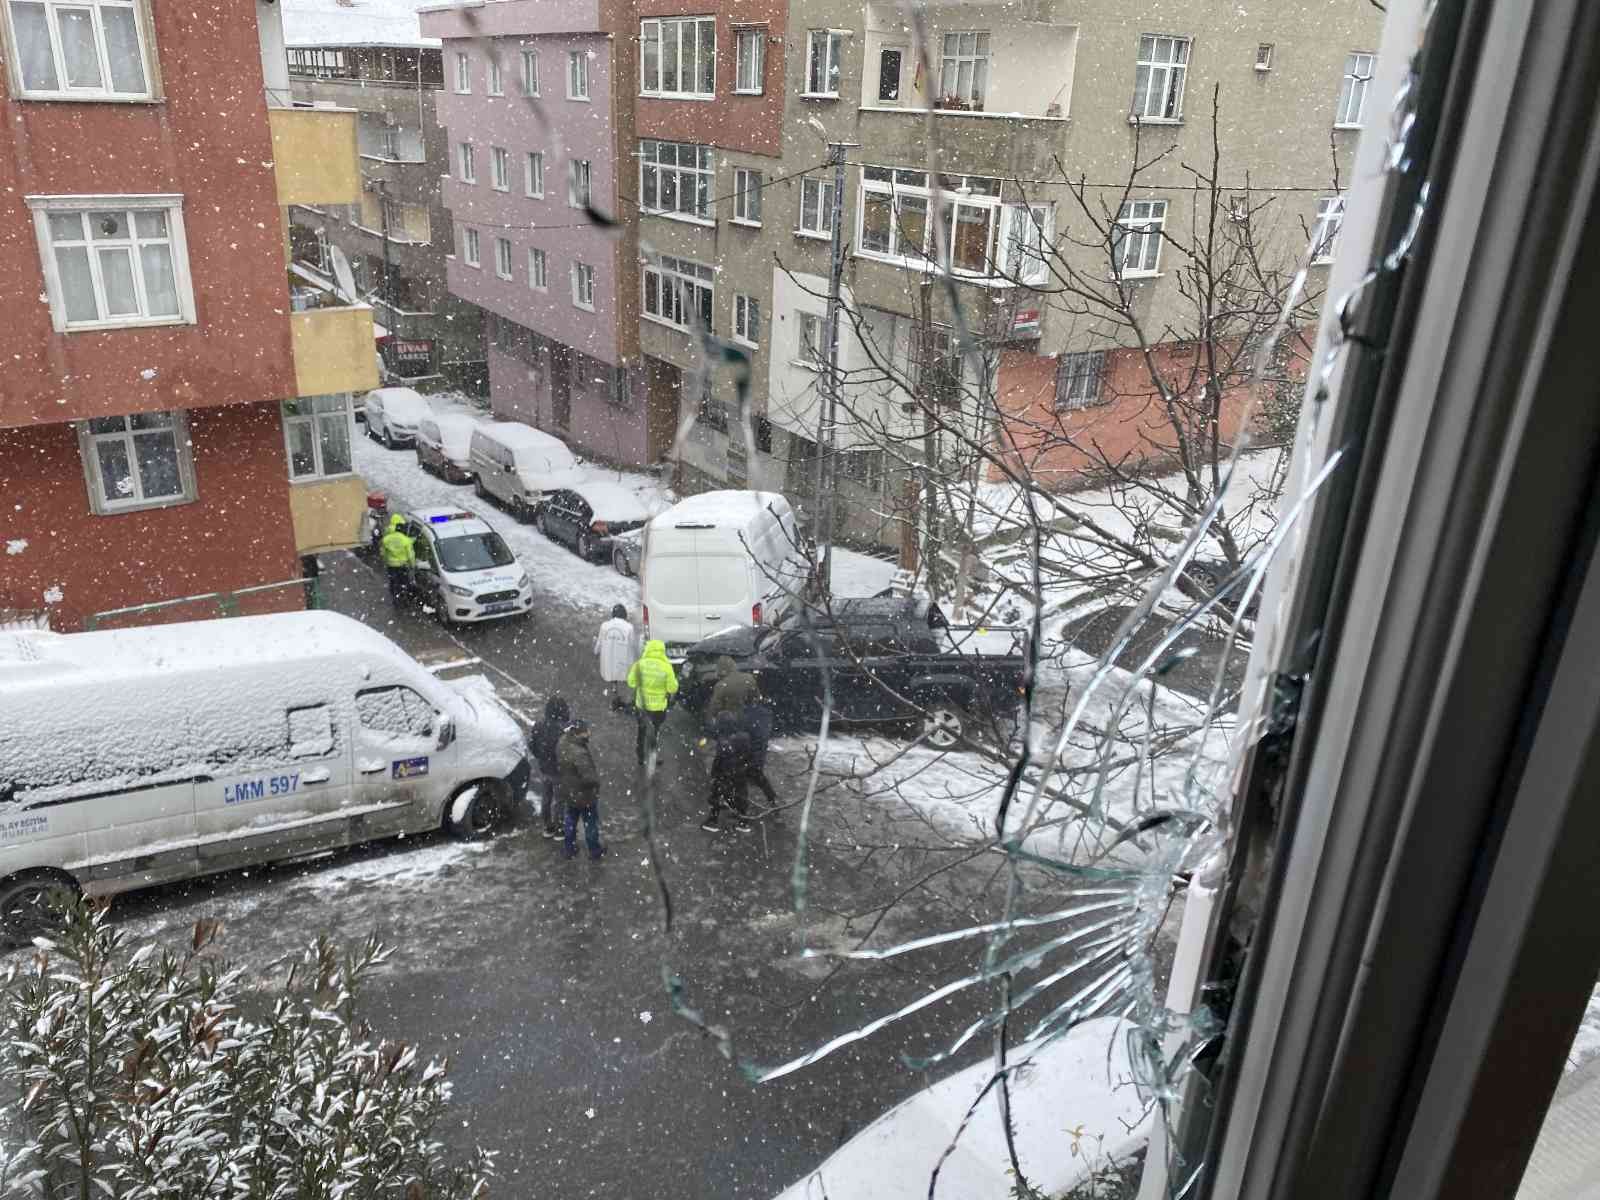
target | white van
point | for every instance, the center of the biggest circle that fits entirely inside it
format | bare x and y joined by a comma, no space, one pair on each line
444,446
517,464
136,756
716,561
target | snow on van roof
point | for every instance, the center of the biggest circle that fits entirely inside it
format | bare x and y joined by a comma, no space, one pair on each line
728,506
516,435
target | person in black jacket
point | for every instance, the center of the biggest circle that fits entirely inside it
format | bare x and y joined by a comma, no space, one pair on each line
730,767
756,718
542,741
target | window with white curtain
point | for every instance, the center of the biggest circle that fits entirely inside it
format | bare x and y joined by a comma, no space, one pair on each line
316,434
824,50
749,60
113,261
85,50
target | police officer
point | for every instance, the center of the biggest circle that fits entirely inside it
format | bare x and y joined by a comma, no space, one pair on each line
653,683
399,552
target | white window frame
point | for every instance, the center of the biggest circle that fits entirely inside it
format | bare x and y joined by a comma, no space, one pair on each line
577,75
689,285
749,65
979,58
471,251
389,143
1325,234
142,32
655,30
743,308
463,73
832,42
811,334
1026,231
502,258
580,168
905,187
533,174
538,270
1140,223
466,162
1160,72
530,72
1083,374
697,181
43,207
320,415
495,84
499,168
823,188
1350,109
583,286
89,455
747,187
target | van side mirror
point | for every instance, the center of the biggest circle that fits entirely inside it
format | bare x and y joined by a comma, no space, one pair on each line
447,731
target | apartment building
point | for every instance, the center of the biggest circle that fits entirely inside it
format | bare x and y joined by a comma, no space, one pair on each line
373,58
168,427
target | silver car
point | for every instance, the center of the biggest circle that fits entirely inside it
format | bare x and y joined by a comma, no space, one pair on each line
625,552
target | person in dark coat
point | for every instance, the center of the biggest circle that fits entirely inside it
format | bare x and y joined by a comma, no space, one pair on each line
730,767
580,790
542,740
734,689
756,718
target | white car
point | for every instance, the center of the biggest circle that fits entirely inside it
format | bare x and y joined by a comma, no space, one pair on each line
442,446
393,415
464,568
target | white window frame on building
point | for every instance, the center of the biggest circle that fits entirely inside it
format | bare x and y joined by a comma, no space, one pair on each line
583,286
816,197
499,169
467,162
471,251
1080,380
1159,76
1025,233
811,332
322,421
530,72
746,196
967,200
676,179
533,174
1358,68
502,257
93,48
132,244
1136,237
822,74
749,60
538,270
964,70
389,143
694,65
463,73
580,180
136,434
673,289
495,84
1325,235
747,320
577,74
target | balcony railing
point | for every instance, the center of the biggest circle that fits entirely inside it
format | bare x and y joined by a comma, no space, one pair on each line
314,155
333,350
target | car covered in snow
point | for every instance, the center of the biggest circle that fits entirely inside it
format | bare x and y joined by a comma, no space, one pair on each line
463,568
132,757
516,465
586,515
393,414
444,442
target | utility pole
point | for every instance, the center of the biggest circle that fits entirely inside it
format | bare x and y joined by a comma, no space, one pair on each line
828,406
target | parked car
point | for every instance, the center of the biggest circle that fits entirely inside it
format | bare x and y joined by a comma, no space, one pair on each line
961,678
464,568
444,446
625,550
516,464
588,514
393,414
1210,574
719,560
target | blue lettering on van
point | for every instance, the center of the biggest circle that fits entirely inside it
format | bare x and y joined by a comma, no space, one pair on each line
410,768
26,826
247,790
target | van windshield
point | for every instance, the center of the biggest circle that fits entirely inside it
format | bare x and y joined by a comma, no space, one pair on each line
475,552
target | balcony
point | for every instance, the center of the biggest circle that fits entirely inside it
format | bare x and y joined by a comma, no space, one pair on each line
333,350
314,152
326,513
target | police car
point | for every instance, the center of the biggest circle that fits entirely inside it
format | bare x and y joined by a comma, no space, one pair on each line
464,569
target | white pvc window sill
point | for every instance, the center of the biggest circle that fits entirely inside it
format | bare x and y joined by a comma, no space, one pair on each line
956,112
749,91
748,224
664,323
813,235
685,218
699,96
1339,125
1136,119
819,95
124,323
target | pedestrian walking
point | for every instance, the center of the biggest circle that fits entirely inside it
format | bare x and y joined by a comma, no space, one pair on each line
617,646
399,552
730,767
543,738
653,683
580,790
756,719
734,689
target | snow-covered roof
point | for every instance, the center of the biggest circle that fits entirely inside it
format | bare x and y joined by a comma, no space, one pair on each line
732,507
400,400
611,501
391,23
517,435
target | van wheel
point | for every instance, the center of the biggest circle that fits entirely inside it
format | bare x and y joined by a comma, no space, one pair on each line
944,721
477,486
476,811
31,905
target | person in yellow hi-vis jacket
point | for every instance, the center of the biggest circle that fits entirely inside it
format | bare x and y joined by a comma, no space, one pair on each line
653,682
399,552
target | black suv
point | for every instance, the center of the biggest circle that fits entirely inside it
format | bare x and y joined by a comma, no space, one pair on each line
876,649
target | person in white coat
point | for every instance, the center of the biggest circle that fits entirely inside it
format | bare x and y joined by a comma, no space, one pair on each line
617,646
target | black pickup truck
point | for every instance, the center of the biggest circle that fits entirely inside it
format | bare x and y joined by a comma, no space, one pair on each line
960,678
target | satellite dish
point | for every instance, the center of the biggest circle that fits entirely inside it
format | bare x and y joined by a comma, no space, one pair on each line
342,275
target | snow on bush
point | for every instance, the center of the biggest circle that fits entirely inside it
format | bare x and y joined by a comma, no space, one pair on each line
137,1074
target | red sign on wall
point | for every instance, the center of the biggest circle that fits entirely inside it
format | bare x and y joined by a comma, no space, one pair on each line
407,356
